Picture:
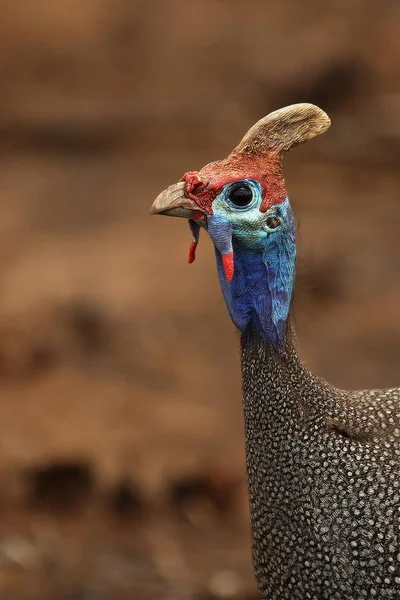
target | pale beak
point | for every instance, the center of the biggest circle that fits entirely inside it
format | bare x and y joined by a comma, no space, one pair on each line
172,202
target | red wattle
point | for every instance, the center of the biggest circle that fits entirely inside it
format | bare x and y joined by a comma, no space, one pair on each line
192,252
227,263
198,215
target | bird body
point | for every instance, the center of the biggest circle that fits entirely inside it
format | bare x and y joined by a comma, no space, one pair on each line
323,464
323,472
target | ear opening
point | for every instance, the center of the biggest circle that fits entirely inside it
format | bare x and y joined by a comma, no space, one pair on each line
284,129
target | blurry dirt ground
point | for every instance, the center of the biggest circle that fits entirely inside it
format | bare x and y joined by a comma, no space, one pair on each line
121,437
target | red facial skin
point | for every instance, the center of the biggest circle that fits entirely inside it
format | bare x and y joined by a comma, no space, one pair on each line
205,185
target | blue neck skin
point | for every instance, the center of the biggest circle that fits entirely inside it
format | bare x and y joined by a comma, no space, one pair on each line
260,293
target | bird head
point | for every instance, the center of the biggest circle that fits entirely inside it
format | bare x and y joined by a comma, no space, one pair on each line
242,202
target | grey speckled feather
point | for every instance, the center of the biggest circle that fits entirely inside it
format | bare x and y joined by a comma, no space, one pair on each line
323,469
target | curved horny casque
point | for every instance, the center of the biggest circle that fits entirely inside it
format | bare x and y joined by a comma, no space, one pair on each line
284,129
323,464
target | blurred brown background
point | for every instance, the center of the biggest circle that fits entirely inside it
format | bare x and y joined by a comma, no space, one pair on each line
121,462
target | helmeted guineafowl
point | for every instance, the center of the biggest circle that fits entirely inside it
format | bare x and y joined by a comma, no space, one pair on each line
323,464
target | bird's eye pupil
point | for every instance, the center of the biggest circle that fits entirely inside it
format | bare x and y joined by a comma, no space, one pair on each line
241,195
273,222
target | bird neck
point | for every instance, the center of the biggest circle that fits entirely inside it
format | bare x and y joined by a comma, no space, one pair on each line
275,390
259,296
259,353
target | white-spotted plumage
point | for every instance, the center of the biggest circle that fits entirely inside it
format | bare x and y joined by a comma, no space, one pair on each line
323,469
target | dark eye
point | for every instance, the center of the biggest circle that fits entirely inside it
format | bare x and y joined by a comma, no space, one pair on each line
240,194
273,222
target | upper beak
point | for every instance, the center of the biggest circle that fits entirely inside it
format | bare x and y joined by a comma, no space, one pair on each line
172,202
